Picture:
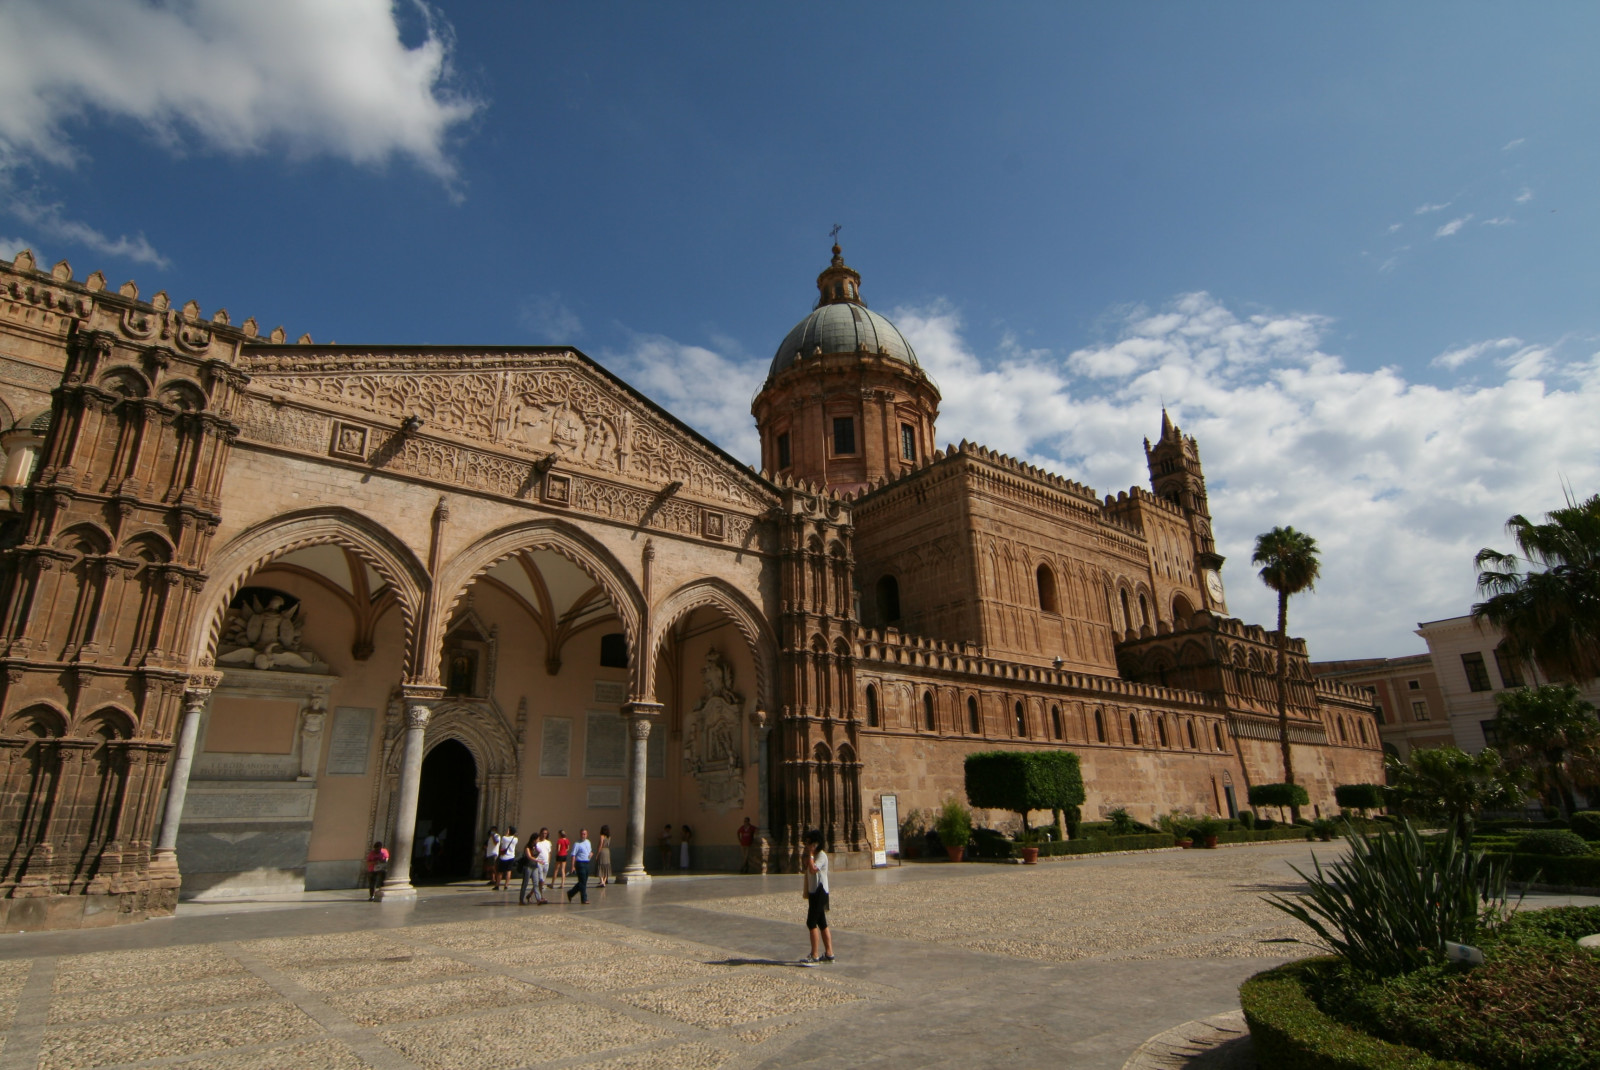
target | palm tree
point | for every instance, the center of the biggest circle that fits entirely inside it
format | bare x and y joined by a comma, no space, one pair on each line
1541,728
1288,560
1551,617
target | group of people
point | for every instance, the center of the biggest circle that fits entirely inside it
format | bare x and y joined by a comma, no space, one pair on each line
580,857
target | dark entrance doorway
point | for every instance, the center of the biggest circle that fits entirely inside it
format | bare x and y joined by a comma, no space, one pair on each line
447,806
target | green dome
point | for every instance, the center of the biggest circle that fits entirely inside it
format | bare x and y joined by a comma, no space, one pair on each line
845,327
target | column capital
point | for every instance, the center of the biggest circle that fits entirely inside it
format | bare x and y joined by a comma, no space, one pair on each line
636,709
425,693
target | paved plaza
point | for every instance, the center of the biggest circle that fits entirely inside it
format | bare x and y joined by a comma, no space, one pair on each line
1069,963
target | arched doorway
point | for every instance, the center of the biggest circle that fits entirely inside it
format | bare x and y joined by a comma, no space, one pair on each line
447,802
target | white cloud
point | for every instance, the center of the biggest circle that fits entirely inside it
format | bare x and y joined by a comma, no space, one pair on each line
1453,226
1455,358
1426,208
310,76
1393,260
549,318
1513,143
10,247
1499,221
707,389
1525,196
48,219
1394,227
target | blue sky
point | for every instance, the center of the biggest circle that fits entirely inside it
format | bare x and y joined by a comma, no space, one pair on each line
1350,246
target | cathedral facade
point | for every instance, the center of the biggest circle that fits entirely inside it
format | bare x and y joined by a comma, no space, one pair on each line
268,602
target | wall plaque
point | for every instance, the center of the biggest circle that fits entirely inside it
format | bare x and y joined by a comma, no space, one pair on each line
605,797
605,745
555,747
610,692
350,742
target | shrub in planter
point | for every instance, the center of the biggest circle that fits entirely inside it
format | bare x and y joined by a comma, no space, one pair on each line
1283,796
1552,842
1205,831
1247,819
954,823
1122,822
1325,828
1361,797
1586,823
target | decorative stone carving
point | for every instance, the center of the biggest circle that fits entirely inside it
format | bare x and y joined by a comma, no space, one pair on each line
712,751
311,738
267,636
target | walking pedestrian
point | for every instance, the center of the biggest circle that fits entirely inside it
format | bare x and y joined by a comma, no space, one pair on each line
491,856
563,856
581,855
666,848
747,842
541,850
683,848
816,893
377,870
508,858
428,843
603,855
532,878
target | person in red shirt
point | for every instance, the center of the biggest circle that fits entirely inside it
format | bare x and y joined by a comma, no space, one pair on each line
747,842
377,869
563,851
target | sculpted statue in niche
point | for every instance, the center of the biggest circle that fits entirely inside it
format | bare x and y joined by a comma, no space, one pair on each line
711,742
264,632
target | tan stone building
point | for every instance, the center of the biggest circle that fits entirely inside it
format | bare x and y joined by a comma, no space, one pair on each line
1407,693
266,603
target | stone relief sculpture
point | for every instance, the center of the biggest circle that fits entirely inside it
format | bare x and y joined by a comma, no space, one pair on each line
265,635
711,740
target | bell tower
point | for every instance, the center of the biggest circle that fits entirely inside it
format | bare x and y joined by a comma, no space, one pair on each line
845,404
1176,476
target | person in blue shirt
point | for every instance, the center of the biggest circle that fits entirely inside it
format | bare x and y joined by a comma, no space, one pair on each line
581,854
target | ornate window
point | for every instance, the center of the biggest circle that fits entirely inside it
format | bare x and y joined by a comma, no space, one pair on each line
1161,730
1099,726
872,706
1046,581
1193,745
1055,721
1133,729
908,442
783,450
888,592
844,435
928,719
1022,720
1216,734
974,722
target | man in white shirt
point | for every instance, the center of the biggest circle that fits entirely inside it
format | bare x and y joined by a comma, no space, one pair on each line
816,893
581,854
508,859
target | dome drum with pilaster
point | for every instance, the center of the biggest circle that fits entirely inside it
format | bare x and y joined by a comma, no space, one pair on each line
841,323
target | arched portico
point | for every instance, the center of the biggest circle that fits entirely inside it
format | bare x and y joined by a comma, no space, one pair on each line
713,593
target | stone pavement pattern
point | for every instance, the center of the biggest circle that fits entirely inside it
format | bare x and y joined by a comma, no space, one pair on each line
1076,963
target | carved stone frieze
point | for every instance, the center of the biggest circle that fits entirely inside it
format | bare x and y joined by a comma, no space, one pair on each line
537,404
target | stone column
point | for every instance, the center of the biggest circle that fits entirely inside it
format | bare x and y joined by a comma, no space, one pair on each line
398,883
763,726
640,716
195,697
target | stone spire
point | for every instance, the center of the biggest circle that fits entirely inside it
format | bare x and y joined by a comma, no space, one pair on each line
839,283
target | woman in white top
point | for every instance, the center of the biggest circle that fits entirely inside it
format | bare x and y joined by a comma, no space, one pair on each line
508,858
535,865
491,857
816,893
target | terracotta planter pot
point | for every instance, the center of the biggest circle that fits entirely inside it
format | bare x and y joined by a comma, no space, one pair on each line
955,853
909,852
1186,844
1030,856
1211,841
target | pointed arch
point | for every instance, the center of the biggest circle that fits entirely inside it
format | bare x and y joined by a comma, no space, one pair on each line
259,545
719,594
558,536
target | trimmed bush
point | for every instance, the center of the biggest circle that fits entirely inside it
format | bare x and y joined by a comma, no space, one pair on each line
1287,1029
1279,795
1090,845
987,843
1586,823
1567,871
1247,819
1359,796
1261,835
1552,842
1022,781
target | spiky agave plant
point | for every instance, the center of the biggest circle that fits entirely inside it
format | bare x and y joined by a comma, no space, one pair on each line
1390,905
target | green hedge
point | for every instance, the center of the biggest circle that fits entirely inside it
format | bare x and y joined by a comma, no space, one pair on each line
1282,832
1022,781
1359,796
1280,795
1089,845
1582,871
1287,1029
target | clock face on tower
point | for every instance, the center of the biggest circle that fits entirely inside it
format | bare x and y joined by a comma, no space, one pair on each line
1214,586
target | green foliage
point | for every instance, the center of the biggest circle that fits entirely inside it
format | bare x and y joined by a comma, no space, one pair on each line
954,823
1556,923
1206,826
914,824
1288,560
1281,795
1247,819
1452,785
1072,816
1359,796
1542,729
1179,824
1122,822
1263,835
1022,781
1325,828
1586,823
1528,1006
1552,842
1556,871
1144,841
1390,904
1288,1029
1553,615
987,843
